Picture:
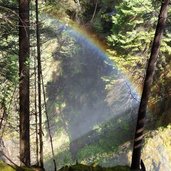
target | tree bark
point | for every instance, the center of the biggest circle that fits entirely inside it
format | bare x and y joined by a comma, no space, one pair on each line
24,82
36,112
136,156
39,87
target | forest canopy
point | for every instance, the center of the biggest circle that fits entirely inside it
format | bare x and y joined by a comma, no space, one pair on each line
85,81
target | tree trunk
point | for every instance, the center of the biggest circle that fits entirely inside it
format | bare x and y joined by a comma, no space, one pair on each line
24,82
39,87
136,157
35,108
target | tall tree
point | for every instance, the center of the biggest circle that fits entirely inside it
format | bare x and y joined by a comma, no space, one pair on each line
131,41
24,82
136,157
39,85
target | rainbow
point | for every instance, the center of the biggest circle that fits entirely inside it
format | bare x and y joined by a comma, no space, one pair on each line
85,124
86,37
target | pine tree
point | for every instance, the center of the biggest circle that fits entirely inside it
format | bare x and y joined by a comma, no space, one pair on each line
136,157
24,82
132,35
8,58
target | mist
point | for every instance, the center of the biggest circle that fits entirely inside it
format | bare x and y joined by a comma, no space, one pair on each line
89,99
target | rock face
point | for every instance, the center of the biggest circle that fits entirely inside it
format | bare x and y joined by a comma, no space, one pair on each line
9,150
157,151
1,149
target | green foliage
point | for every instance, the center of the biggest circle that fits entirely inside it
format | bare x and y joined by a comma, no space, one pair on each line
8,60
130,26
90,153
62,158
8,42
8,47
95,15
133,27
133,31
111,135
6,167
131,35
63,10
9,68
130,43
81,167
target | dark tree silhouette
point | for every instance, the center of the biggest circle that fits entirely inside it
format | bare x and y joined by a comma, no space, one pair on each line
39,85
24,82
136,157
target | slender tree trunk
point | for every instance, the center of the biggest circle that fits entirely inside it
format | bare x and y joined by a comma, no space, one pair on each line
48,125
35,107
94,13
136,157
24,82
4,113
39,87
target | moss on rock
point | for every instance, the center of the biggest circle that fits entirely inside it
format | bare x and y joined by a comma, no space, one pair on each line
81,167
7,167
